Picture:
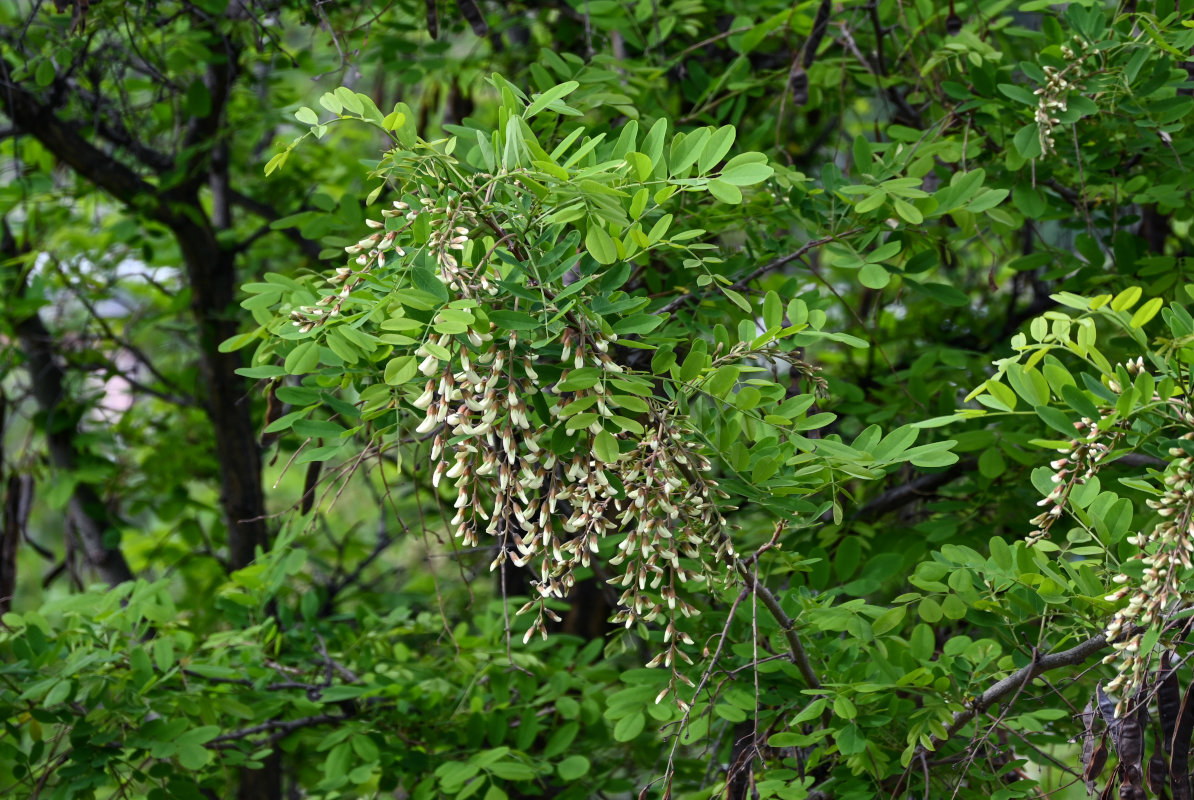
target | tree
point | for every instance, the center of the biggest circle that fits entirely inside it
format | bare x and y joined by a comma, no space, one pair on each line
760,325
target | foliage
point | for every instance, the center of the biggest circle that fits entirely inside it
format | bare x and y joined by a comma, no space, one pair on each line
752,329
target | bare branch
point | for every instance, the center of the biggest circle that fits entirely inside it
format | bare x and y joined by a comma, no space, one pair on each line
211,271
787,624
31,116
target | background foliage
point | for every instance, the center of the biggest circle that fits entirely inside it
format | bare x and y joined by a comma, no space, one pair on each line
812,378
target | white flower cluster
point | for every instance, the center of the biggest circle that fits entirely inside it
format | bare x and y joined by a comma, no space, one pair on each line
369,252
492,425
1165,551
1079,461
553,510
1053,96
549,509
449,234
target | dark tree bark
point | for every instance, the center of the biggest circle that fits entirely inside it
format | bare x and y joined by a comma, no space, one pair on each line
211,272
15,510
88,514
742,753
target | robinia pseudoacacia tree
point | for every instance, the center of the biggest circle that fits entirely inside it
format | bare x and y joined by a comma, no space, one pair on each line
756,333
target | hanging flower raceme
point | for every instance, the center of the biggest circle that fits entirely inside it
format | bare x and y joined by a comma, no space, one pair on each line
1164,552
551,510
546,469
1079,462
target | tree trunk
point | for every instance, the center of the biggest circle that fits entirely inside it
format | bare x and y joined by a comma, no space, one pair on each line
88,514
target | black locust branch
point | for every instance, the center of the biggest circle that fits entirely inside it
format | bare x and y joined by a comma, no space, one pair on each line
86,509
771,266
211,273
787,624
919,487
1009,685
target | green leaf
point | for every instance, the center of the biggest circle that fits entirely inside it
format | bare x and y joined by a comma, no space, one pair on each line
514,320
746,174
725,192
716,148
637,324
885,251
629,727
1019,94
1056,420
512,771
1028,141
303,358
277,161
605,447
875,199
348,98
929,610
200,735
940,292
1030,201
44,75
953,607
1078,400
307,116
426,281
908,212
1029,384
193,756
60,691
722,380
573,767
863,156
400,369
331,103
369,109
686,148
1127,298
738,300
889,620
873,276
550,96
986,199
850,740
991,464
600,245
811,711
582,378
1146,312
663,359
772,310
337,761
932,455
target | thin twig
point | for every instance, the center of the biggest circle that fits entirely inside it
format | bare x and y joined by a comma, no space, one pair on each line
795,646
